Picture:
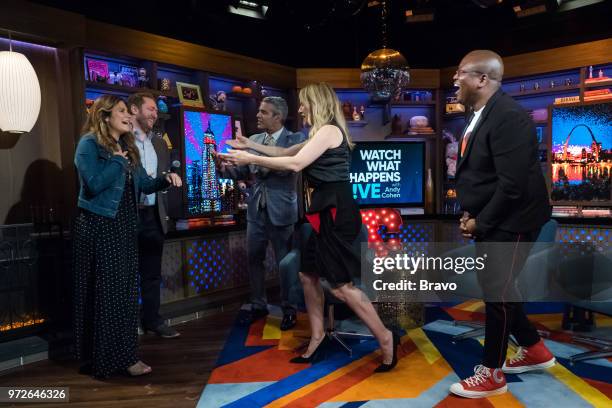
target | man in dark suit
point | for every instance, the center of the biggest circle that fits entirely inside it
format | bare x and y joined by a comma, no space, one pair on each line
502,191
272,210
152,210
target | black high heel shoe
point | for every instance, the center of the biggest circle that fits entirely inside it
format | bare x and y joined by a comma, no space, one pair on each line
316,355
383,368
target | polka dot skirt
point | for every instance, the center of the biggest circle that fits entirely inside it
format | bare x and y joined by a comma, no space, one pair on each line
106,288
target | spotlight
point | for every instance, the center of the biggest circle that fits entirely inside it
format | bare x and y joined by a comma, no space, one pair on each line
486,3
532,7
419,15
249,8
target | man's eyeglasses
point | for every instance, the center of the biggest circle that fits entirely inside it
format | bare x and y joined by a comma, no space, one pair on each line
461,72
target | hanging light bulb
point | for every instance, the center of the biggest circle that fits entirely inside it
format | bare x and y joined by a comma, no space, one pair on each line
19,92
384,72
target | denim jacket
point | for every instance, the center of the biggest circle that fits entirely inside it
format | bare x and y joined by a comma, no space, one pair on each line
102,178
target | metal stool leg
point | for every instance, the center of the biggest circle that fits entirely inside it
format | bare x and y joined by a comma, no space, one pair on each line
332,333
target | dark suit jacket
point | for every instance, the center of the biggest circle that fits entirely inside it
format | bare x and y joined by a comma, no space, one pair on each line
499,178
163,164
279,187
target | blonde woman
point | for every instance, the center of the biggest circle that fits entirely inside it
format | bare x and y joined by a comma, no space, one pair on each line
105,245
333,213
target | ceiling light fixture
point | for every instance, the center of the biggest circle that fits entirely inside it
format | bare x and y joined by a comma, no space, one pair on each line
487,3
419,16
527,8
246,8
384,72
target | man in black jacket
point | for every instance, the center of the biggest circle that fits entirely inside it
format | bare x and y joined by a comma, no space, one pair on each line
152,212
502,191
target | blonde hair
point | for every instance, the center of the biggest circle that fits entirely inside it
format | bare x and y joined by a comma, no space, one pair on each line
96,124
324,108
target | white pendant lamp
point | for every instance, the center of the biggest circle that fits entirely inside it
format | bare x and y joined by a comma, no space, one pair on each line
19,92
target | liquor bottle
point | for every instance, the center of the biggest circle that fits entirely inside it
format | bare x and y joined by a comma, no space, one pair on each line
356,115
346,109
396,125
429,193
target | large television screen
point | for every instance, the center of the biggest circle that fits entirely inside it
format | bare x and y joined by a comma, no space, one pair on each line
388,173
581,153
203,134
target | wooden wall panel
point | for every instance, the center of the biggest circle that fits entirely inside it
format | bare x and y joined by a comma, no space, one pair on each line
40,24
555,59
71,88
446,76
336,77
123,41
50,26
32,177
349,77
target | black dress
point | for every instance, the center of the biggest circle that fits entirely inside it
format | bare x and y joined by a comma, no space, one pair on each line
106,288
335,217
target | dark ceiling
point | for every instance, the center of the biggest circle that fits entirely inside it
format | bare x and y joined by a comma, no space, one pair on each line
340,33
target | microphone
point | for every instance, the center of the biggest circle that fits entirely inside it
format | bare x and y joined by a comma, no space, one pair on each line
174,166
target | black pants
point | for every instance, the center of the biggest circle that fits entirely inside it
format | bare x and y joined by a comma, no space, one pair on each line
150,249
504,318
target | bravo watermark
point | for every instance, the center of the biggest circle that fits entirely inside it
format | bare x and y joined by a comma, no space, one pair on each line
406,285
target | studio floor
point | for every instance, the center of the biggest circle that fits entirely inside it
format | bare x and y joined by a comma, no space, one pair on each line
216,363
181,368
253,368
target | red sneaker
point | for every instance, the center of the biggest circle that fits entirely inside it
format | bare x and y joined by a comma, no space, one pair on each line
536,357
484,383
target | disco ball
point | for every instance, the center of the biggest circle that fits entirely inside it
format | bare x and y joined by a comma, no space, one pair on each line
384,73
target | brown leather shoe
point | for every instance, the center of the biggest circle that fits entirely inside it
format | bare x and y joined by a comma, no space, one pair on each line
289,321
246,317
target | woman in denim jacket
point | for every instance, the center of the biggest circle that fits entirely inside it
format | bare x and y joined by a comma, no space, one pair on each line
105,244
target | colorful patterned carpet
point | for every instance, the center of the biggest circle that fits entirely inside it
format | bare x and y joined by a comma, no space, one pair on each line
254,370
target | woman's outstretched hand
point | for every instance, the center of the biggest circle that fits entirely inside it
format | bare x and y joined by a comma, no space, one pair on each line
237,157
240,143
